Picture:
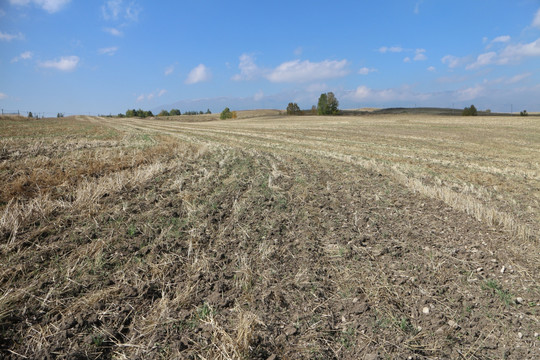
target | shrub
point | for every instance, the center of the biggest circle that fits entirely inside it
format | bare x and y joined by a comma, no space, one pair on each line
175,112
470,111
30,115
524,113
226,114
163,113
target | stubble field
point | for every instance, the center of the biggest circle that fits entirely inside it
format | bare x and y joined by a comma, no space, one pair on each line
367,237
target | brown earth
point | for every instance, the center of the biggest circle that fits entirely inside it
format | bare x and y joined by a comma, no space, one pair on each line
132,239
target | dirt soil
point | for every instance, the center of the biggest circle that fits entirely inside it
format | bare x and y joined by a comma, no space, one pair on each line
165,248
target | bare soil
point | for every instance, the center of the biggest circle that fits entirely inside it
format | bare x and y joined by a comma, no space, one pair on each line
132,239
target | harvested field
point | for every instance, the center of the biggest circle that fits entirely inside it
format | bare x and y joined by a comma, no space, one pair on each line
366,237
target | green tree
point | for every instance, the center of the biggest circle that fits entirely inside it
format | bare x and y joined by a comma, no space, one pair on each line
208,111
226,114
333,104
524,113
293,109
175,112
322,105
30,115
163,113
131,113
470,111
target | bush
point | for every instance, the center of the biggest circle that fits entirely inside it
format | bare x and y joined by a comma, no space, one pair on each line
175,112
163,113
470,111
226,114
30,115
524,113
293,109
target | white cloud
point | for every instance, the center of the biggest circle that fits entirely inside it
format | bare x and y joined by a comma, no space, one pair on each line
536,21
420,56
150,96
453,61
501,39
417,7
8,37
199,74
302,71
248,69
51,6
482,60
67,63
431,69
169,70
24,56
518,78
407,59
111,9
3,96
514,53
470,93
108,51
366,70
393,49
404,93
132,12
113,31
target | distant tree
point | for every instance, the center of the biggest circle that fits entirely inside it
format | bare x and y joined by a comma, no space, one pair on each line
148,114
470,111
293,109
120,115
322,105
30,115
333,104
208,111
313,110
524,113
130,113
226,114
201,112
59,115
163,113
175,112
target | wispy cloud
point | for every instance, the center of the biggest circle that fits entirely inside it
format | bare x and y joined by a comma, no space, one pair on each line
417,6
431,69
169,70
8,37
51,6
536,20
392,49
366,70
152,95
454,61
199,74
67,63
3,96
24,56
420,55
114,31
501,39
117,10
303,71
112,9
248,69
108,50
482,60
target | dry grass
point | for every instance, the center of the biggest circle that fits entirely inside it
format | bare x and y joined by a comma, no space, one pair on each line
293,237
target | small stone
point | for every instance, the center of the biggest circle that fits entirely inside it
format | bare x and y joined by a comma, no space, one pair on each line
520,335
503,269
291,330
519,300
536,335
480,269
425,310
440,330
453,324
355,300
272,357
343,318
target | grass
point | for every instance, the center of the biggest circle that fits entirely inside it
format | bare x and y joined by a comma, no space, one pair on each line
505,296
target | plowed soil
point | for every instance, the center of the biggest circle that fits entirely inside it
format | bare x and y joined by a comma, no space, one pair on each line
269,238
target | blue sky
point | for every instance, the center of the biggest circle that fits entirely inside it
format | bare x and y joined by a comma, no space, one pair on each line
102,57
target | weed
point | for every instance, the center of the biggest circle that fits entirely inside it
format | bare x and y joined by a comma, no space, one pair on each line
504,295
